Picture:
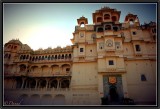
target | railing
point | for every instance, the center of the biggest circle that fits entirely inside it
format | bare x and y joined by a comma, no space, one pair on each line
39,61
54,60
43,74
79,28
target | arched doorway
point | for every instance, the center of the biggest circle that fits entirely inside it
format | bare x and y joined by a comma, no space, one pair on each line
46,100
59,100
113,93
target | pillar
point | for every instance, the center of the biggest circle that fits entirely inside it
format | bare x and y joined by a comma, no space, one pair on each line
124,83
23,80
36,83
26,84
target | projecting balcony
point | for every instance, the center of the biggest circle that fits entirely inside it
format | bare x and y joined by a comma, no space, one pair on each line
49,74
77,28
18,60
21,73
114,70
108,32
49,61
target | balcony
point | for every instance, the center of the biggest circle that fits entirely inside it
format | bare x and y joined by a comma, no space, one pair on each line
49,74
21,73
50,61
77,28
108,32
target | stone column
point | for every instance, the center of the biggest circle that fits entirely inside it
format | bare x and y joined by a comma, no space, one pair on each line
47,82
36,84
23,80
58,83
26,84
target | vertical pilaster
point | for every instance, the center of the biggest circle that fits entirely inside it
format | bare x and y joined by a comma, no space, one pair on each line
124,83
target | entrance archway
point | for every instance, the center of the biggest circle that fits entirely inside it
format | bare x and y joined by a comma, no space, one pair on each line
113,93
59,100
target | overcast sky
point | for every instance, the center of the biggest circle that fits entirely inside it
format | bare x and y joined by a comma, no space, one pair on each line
50,25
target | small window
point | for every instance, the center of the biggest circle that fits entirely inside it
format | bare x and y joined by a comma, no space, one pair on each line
111,62
99,19
137,48
15,47
100,29
67,69
134,33
143,77
81,35
81,49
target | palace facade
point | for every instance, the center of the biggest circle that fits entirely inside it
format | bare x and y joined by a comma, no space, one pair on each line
107,59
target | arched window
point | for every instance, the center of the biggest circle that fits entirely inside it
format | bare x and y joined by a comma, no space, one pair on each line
114,18
49,57
6,55
62,56
82,24
59,56
106,16
69,55
27,56
39,57
9,46
36,58
66,56
99,19
33,59
108,27
100,29
115,28
21,57
24,56
131,21
45,58
42,57
55,56
15,47
52,57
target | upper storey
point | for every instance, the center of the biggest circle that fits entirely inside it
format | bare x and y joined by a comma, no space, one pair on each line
106,15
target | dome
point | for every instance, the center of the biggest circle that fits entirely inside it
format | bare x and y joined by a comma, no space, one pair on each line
15,41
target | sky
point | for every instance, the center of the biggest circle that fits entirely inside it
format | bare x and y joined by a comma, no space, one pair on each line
43,25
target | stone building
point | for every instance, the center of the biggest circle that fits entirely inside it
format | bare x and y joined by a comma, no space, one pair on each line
107,59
